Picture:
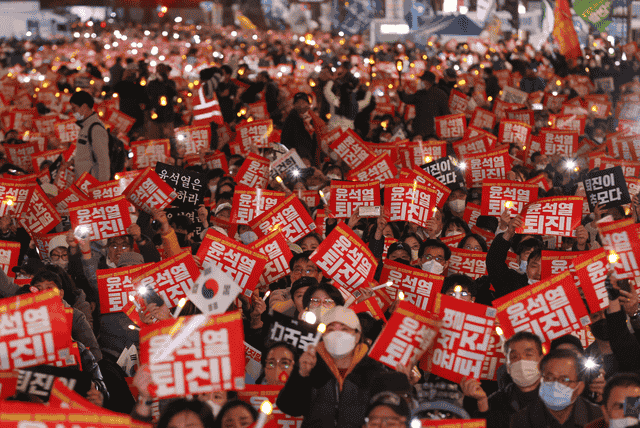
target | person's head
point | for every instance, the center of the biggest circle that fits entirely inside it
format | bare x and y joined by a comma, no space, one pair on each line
301,102
321,298
343,332
81,105
399,252
387,409
236,414
562,379
455,226
568,342
524,352
457,200
473,242
428,79
278,363
534,265
310,242
618,388
183,413
300,266
67,286
460,286
342,69
59,251
298,289
434,256
46,280
118,245
539,160
413,241
524,248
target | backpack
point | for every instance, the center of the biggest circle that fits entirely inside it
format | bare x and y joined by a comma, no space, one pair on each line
117,152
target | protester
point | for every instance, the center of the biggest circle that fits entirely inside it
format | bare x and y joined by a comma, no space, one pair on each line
92,153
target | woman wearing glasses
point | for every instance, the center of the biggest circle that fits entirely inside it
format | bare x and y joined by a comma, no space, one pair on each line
277,364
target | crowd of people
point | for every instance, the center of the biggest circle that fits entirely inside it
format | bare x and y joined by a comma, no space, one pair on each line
309,85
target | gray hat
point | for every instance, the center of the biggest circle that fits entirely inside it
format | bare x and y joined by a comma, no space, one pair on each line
130,258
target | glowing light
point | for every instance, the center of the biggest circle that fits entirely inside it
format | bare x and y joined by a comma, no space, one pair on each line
457,289
558,82
590,363
163,101
279,179
613,257
427,159
463,165
508,204
266,407
322,327
154,115
489,98
309,317
499,331
400,295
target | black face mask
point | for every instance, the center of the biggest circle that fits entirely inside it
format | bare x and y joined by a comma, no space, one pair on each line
599,329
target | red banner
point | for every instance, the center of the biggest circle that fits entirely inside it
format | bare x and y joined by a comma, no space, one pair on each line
15,196
347,197
194,138
416,153
482,119
343,257
21,154
18,414
452,126
549,308
493,164
429,180
622,238
254,172
289,216
591,268
380,168
557,215
67,131
555,262
454,423
419,287
241,263
499,195
9,252
100,219
274,247
149,152
512,131
249,203
405,337
560,142
255,133
463,339
468,262
115,286
256,394
352,150
149,191
194,355
564,32
406,200
41,215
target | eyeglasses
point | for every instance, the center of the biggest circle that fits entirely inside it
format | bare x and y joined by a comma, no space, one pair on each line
390,421
120,247
474,248
59,256
565,380
429,257
284,364
454,294
307,271
327,303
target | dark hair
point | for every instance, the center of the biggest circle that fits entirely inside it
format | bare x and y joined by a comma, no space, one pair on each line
527,244
71,292
434,243
458,222
46,275
310,235
81,97
564,354
410,235
535,254
534,156
619,380
181,405
327,288
128,238
459,279
232,405
522,336
226,69
275,345
480,239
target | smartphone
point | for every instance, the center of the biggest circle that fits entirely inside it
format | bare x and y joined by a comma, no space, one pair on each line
369,211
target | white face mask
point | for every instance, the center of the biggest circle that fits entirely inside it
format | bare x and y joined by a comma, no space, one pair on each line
333,177
62,263
215,407
523,266
532,281
432,266
524,373
454,233
457,205
248,237
314,187
78,116
622,422
339,343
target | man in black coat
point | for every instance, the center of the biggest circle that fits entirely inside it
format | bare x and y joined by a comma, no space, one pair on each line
430,102
295,133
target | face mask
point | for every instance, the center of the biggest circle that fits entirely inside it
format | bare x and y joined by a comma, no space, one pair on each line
524,373
213,189
339,343
78,116
62,263
314,187
622,423
541,166
454,233
600,330
333,177
248,237
457,205
215,407
432,266
555,395
532,281
523,266
414,254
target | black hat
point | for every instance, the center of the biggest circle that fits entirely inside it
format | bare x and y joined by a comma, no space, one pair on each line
428,76
301,96
395,402
305,281
399,246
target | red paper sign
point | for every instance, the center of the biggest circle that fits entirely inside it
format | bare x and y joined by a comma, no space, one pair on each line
9,252
347,197
289,216
422,177
555,262
468,262
115,286
21,154
557,215
512,131
343,257
524,116
194,355
254,172
591,268
419,287
149,152
569,122
482,119
549,308
148,191
256,394
255,133
493,164
410,201
67,131
194,138
352,150
623,238
458,102
380,168
471,214
310,197
18,414
498,195
41,215
471,146
493,359
101,219
249,203
561,142
416,153
241,263
106,189
451,126
15,196
274,247
119,122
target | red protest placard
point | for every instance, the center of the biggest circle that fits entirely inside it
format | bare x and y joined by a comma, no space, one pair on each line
352,150
194,355
21,154
380,168
523,116
148,191
255,133
458,102
558,141
493,164
115,286
557,215
211,160
171,278
549,308
451,126
18,414
15,196
540,181
373,305
9,252
100,219
69,195
85,182
630,169
193,138
555,262
241,263
249,203
254,172
482,119
389,148
46,124
347,197
34,329
407,200
454,423
40,216
622,238
493,359
148,153
416,153
468,262
591,268
569,122
422,177
106,189
419,287
119,122
405,337
274,247
343,257
498,195
463,339
44,243
599,109
470,146
67,131
471,214
256,394
512,131
310,197
289,216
